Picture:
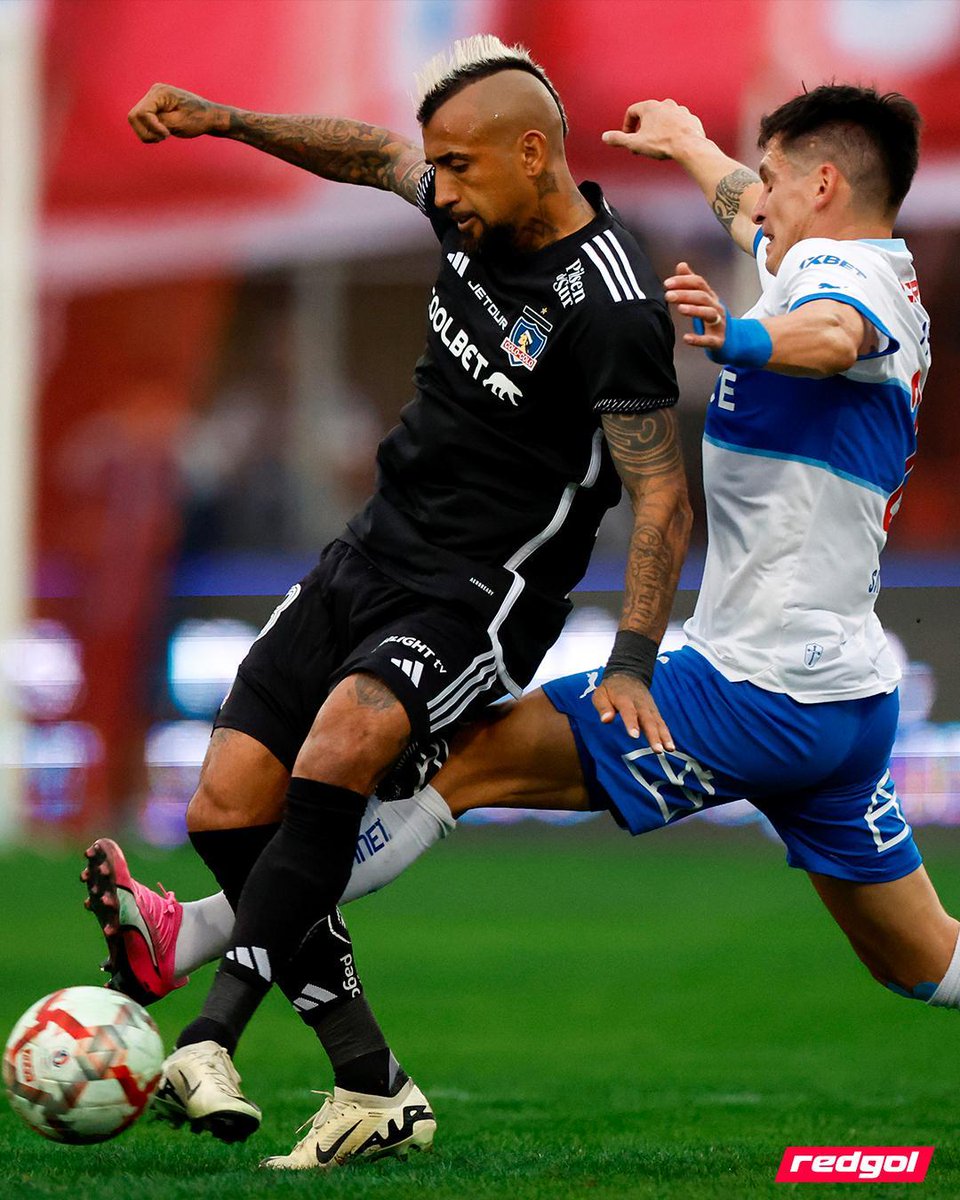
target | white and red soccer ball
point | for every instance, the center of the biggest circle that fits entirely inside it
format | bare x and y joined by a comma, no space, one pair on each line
81,1064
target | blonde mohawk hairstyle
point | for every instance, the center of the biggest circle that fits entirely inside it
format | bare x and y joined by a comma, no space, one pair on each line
471,59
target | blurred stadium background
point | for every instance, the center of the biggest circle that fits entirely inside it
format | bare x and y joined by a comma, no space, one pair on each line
200,346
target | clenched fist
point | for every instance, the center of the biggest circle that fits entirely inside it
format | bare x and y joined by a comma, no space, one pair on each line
166,111
655,128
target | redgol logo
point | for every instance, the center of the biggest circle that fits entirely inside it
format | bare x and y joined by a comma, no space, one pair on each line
855,1164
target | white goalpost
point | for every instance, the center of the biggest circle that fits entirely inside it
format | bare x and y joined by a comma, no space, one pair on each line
19,100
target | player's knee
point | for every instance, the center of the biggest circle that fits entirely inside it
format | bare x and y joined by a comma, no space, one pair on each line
241,784
353,744
348,757
207,808
216,806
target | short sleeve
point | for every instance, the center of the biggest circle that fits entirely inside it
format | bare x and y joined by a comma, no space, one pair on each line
818,269
625,354
426,191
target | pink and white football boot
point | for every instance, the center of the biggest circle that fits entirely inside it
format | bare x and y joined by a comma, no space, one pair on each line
140,927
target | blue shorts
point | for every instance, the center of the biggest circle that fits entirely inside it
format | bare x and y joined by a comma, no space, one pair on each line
818,772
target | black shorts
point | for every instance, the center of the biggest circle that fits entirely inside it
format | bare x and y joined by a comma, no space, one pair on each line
438,658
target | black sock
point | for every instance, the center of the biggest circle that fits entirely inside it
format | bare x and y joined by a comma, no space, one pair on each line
294,885
375,1074
322,973
323,986
228,1008
358,1052
231,853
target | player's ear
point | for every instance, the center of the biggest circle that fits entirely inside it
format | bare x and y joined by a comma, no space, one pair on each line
533,153
829,182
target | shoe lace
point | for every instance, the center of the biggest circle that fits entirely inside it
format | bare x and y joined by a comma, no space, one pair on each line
330,1107
168,899
222,1065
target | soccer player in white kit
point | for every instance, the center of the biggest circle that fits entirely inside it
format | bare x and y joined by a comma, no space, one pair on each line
786,690
785,693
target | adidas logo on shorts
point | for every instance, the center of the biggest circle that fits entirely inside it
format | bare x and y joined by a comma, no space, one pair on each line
409,667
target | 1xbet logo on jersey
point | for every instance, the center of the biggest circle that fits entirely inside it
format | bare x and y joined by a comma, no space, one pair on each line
527,339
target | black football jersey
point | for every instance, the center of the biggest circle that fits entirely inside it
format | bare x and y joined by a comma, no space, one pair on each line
497,476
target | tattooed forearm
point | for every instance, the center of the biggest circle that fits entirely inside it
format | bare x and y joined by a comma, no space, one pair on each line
646,450
650,579
335,148
726,202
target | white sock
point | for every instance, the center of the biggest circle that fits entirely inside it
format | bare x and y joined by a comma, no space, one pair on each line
392,836
947,994
204,933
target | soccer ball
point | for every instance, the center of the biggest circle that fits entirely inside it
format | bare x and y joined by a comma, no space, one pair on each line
81,1064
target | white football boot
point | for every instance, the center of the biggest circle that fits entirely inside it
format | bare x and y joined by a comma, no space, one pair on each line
354,1125
200,1087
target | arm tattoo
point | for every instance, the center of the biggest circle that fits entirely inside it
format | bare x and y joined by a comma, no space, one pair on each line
335,148
372,692
646,450
643,444
726,202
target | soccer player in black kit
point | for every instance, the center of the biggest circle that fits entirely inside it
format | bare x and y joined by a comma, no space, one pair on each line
547,380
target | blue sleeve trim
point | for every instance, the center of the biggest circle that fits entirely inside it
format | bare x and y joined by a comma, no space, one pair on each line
756,242
892,344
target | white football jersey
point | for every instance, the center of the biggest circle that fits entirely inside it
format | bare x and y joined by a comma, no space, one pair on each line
802,478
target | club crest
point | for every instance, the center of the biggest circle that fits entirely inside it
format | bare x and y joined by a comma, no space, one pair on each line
527,339
812,654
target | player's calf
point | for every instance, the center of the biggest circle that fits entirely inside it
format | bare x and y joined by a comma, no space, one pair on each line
900,932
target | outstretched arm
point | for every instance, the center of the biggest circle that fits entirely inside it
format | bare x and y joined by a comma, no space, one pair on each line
646,450
665,129
824,337
333,147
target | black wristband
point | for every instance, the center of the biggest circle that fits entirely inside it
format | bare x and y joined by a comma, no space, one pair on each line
632,654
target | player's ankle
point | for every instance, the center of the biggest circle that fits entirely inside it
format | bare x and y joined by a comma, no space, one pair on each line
205,1029
375,1074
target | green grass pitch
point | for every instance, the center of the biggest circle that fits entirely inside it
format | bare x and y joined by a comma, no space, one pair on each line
591,1016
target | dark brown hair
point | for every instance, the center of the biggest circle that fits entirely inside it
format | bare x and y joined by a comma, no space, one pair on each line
874,139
